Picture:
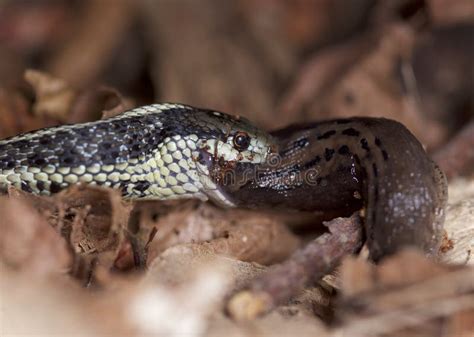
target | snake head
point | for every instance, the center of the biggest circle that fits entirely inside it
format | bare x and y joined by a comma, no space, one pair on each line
234,141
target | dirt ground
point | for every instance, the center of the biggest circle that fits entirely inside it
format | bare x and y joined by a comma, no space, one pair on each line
85,262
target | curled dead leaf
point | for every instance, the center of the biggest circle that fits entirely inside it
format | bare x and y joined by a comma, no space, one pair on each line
54,96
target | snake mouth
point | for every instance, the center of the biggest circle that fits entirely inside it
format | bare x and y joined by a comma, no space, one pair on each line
222,168
211,175
204,162
213,167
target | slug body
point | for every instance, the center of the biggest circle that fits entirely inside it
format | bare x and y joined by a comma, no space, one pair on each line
166,151
343,165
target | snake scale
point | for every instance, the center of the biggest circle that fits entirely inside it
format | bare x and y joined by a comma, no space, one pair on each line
166,151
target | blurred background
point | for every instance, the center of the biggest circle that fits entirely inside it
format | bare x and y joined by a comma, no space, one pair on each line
276,62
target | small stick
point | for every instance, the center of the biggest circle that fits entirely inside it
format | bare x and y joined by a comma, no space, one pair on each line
307,265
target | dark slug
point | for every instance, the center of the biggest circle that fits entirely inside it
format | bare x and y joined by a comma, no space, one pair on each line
343,165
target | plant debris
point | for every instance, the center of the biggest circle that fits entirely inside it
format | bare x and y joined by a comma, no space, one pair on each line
86,262
315,260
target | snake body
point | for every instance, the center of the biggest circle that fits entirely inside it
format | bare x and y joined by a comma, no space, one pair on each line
152,152
166,151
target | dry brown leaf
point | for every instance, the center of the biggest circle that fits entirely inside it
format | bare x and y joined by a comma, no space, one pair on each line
461,324
15,114
446,12
98,31
456,158
382,85
56,99
315,76
96,103
54,96
99,228
225,72
59,306
354,79
405,291
28,242
245,235
93,220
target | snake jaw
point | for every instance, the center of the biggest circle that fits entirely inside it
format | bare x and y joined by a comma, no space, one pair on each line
207,170
215,162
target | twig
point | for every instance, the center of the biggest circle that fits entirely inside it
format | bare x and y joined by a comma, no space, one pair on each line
307,265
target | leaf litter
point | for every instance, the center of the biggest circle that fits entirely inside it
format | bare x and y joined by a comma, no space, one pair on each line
86,262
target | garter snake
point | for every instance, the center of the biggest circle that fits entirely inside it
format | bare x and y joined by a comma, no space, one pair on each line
156,151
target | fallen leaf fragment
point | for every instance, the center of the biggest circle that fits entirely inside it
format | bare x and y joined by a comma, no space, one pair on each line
93,221
29,243
96,103
54,96
241,234
15,114
58,306
98,32
459,223
445,12
404,291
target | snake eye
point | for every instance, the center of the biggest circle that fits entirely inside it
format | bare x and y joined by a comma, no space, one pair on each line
241,141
